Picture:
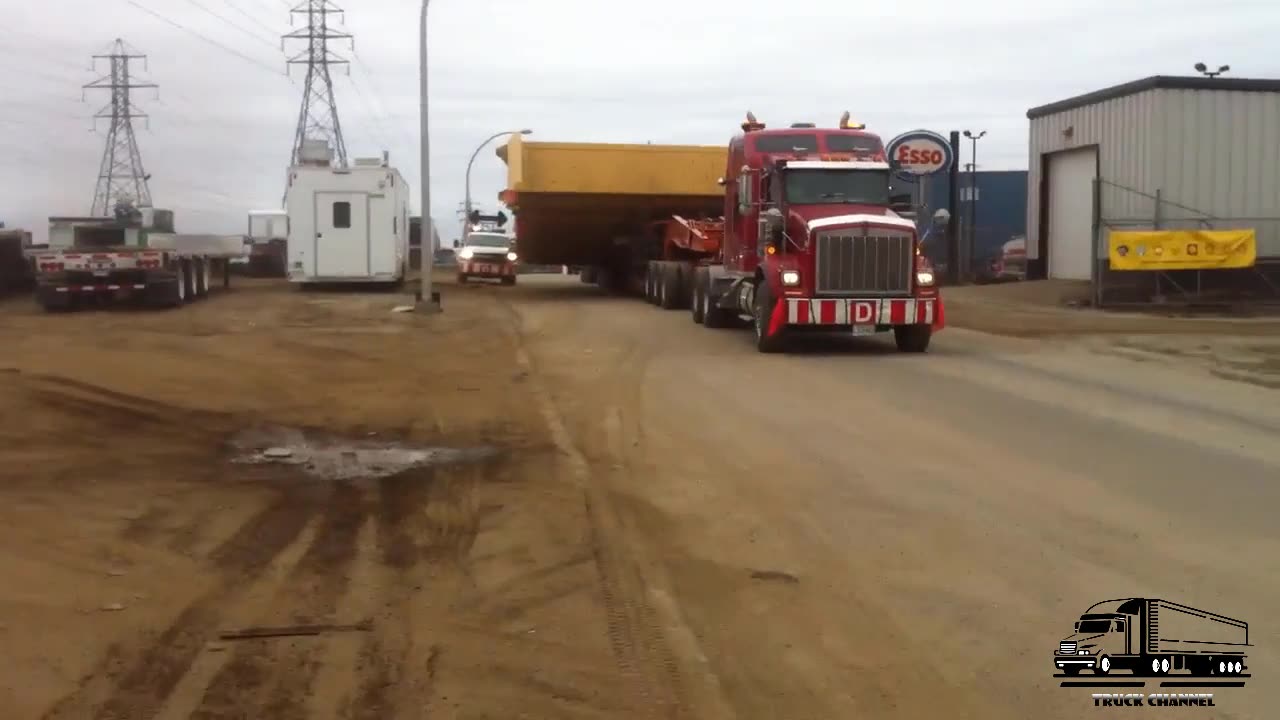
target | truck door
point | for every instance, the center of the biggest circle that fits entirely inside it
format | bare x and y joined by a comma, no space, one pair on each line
342,234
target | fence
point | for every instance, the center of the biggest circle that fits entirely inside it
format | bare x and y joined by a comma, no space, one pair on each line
1117,207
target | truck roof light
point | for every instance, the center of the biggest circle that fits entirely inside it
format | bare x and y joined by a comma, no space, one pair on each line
752,124
845,124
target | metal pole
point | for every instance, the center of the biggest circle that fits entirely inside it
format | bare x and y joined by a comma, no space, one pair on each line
973,212
466,204
425,293
953,206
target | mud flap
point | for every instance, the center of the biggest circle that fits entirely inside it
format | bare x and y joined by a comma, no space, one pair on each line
779,316
939,317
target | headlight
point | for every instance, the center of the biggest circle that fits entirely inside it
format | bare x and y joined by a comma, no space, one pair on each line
924,277
790,278
511,256
466,253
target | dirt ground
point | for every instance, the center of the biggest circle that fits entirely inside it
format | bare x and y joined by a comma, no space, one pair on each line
623,533
129,539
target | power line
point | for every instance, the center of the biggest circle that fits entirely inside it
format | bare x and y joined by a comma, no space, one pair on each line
211,41
252,18
318,116
224,19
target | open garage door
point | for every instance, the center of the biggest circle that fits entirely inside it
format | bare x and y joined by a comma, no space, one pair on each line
1070,211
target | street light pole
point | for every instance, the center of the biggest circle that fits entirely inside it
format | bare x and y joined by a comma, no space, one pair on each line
427,252
466,204
973,199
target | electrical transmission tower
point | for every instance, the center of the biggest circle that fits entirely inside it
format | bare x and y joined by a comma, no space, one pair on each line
120,176
318,118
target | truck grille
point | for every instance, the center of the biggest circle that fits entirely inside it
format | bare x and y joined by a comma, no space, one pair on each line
1067,648
871,262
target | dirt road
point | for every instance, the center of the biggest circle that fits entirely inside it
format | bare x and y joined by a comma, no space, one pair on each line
644,530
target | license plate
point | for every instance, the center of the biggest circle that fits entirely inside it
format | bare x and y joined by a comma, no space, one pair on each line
860,330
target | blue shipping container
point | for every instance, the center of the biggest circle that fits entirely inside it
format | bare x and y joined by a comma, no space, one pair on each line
1001,210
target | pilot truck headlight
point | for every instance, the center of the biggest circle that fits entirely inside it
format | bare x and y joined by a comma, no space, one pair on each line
924,278
511,256
466,253
790,278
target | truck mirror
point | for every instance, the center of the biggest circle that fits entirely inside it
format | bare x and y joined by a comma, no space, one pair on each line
456,244
773,217
941,218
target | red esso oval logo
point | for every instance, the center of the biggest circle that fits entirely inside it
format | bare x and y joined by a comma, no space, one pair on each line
920,156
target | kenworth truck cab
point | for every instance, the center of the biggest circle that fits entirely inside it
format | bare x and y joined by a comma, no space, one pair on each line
812,242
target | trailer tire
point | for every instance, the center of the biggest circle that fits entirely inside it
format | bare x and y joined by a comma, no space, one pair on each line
53,301
695,306
685,274
762,312
712,316
206,275
670,279
912,338
650,282
198,279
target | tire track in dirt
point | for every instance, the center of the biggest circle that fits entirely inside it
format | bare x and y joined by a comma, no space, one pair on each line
634,627
273,677
133,683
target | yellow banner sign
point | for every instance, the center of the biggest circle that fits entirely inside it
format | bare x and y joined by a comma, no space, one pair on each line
1182,249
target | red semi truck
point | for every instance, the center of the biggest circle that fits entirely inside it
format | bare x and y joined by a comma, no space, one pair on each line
809,239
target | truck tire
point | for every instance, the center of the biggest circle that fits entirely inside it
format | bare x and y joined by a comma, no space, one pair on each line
651,282
670,283
200,278
695,305
1103,667
912,338
189,284
53,301
712,316
462,279
762,313
685,273
509,280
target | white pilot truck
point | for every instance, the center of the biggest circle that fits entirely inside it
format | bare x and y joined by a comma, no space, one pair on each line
488,254
133,256
347,225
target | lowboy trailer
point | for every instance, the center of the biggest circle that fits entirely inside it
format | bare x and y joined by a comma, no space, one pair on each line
798,235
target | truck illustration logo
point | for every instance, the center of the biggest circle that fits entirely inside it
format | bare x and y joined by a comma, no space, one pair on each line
1154,638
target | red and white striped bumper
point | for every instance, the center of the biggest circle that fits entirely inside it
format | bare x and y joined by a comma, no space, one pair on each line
876,311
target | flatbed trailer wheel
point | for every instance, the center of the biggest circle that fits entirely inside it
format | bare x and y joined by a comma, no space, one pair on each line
912,338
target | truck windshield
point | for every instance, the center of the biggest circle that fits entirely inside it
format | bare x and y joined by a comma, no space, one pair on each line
815,187
1095,626
484,240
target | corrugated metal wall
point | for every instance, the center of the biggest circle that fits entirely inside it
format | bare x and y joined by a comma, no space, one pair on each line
1221,157
1122,130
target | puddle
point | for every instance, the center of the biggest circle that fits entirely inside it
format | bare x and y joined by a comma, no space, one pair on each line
336,458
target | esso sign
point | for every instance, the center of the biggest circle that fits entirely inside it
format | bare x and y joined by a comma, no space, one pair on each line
920,152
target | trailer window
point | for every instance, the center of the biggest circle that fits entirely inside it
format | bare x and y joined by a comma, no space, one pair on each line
342,214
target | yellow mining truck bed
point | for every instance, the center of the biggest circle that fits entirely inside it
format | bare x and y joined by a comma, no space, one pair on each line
571,200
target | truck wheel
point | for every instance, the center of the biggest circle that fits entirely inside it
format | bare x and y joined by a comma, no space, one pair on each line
912,338
695,307
712,316
509,280
685,274
651,283
763,312
179,296
670,281
199,280
462,279
1103,667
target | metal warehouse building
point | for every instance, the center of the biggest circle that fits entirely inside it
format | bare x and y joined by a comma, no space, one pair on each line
1167,153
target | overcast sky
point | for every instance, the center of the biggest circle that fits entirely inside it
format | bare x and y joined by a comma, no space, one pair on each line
684,71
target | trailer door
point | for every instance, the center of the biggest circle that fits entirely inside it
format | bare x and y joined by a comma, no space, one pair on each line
342,234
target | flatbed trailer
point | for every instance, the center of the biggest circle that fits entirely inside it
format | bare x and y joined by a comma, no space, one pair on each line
111,262
790,231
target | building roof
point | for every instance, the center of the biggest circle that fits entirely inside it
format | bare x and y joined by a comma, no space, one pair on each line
1168,82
